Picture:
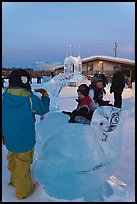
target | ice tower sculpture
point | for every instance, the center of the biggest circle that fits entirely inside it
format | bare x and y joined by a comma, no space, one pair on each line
73,65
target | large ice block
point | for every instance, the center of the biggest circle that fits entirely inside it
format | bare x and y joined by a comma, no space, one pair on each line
75,160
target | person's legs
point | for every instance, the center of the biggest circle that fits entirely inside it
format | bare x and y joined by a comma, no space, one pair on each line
118,99
23,183
11,167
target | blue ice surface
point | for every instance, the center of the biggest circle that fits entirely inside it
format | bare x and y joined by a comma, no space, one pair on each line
45,79
54,86
75,160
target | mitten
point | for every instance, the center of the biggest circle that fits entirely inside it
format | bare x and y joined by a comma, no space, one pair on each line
42,91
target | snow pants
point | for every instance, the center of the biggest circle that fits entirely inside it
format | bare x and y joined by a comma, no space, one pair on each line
20,176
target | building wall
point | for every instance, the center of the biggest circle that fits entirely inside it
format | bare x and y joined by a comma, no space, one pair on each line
90,68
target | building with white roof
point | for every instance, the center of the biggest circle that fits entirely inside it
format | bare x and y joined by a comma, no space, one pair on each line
105,64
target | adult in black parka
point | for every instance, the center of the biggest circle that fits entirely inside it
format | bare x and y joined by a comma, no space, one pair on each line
117,86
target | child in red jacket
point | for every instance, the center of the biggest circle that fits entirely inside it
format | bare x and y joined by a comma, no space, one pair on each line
85,108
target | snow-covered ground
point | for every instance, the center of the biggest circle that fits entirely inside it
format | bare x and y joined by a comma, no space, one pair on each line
125,170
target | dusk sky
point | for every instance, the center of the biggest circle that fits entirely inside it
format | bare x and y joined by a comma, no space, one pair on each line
43,31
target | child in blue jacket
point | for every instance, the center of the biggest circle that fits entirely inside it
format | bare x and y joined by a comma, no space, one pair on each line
19,106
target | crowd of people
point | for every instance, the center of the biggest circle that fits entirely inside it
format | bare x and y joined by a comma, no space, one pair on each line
90,97
19,107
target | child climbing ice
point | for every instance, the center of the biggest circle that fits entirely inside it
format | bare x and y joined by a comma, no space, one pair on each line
85,108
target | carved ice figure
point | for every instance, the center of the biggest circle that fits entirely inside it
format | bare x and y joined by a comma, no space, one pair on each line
75,160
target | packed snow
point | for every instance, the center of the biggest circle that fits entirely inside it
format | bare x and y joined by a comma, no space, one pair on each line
123,179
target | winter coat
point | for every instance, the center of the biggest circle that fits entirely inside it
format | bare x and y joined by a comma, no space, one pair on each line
83,112
97,96
19,107
118,82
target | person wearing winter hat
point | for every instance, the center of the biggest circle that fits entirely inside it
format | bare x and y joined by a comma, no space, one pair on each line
85,108
19,107
96,90
20,78
83,89
96,79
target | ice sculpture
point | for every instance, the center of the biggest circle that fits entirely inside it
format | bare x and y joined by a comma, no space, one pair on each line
76,160
73,65
45,79
55,84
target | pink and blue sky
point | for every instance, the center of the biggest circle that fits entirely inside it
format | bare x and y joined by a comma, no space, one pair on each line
41,31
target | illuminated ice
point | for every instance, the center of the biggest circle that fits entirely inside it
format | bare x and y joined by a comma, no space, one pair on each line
45,79
75,160
55,84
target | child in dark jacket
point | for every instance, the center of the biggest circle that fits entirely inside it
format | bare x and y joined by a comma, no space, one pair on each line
96,92
85,108
19,106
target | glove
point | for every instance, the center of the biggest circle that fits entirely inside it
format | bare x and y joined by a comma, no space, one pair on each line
42,91
71,120
65,112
